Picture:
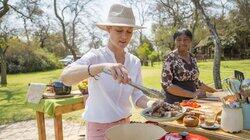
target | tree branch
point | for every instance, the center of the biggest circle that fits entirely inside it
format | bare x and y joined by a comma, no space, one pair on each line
4,9
15,9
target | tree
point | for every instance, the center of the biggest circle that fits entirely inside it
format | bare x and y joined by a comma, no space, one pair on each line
163,39
28,11
4,8
217,43
3,44
176,12
69,36
171,16
54,44
143,52
142,9
95,39
42,32
5,35
244,9
3,48
153,57
240,26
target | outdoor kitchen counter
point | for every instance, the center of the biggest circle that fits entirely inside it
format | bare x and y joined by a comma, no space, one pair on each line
211,134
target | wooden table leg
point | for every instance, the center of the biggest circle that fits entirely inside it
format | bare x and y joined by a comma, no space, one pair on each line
58,127
41,125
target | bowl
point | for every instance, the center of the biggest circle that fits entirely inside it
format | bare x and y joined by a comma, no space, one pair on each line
138,131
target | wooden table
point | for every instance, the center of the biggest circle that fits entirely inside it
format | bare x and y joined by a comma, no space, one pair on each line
59,110
211,134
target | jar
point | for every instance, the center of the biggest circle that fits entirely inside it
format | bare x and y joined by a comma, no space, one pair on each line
231,119
209,118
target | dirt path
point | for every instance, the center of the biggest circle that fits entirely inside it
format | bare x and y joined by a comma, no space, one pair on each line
27,130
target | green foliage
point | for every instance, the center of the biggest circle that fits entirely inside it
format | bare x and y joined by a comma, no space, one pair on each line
200,33
53,44
234,32
143,51
153,57
23,58
228,41
163,38
147,41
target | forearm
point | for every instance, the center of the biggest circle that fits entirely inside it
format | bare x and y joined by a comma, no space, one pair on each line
178,91
74,74
207,88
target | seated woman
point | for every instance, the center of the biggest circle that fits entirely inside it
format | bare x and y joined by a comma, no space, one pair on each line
180,72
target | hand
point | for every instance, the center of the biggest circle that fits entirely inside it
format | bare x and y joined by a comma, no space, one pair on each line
118,71
244,94
200,93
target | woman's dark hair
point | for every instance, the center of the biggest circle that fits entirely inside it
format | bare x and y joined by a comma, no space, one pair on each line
183,31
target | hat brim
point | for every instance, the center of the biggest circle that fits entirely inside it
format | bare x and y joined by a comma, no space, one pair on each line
104,25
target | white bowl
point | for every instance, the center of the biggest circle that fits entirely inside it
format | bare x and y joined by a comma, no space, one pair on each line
135,131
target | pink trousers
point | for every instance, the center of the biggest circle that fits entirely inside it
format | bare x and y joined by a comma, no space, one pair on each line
96,131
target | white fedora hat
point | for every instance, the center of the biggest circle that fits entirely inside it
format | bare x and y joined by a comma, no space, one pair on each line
119,15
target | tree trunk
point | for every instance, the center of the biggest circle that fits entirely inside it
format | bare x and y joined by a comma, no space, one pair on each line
193,29
26,31
3,68
65,41
141,39
217,43
152,63
4,9
3,77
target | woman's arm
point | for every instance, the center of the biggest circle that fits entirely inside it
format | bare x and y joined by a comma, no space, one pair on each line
73,74
76,73
167,78
178,91
207,88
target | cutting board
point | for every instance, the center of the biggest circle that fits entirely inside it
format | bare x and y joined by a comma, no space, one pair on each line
53,96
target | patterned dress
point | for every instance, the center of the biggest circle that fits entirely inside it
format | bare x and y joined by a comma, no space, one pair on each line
177,71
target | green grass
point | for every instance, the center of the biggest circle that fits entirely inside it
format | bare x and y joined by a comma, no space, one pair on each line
12,97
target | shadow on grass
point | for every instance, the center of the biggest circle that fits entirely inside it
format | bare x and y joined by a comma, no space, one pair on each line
15,113
9,94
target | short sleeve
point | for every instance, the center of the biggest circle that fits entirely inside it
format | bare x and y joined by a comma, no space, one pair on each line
167,72
198,83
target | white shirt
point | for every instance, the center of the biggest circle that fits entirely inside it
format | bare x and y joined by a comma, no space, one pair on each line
108,100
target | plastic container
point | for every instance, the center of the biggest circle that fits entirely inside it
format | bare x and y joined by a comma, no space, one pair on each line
135,131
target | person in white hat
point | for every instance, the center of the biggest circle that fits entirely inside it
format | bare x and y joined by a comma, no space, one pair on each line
108,102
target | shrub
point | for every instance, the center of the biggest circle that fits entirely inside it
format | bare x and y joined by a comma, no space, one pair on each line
23,58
